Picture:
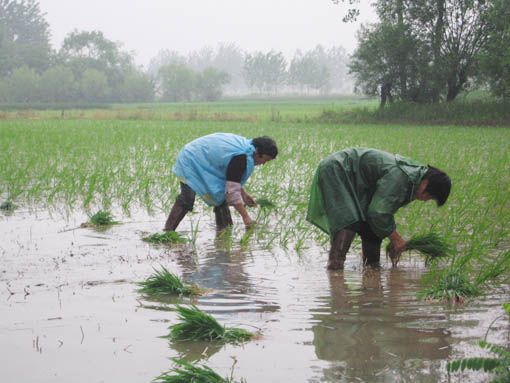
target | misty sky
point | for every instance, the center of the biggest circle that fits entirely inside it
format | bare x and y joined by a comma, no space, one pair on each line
147,26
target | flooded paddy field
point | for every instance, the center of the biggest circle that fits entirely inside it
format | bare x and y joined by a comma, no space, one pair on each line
69,309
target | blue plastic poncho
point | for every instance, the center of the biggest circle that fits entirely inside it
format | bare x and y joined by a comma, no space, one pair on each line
203,163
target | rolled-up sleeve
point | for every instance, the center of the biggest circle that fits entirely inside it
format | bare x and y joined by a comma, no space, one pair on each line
233,194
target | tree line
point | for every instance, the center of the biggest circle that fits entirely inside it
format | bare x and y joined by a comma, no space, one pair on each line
90,68
427,51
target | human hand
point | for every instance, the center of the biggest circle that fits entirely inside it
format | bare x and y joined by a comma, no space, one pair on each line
248,199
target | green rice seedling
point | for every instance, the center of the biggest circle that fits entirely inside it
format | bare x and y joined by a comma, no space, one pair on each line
452,285
430,245
264,203
498,365
103,218
197,325
188,373
167,238
8,206
163,282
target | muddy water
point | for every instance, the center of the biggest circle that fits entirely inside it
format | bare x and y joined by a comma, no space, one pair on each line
69,310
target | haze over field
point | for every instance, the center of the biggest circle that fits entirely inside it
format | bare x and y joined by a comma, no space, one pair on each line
146,27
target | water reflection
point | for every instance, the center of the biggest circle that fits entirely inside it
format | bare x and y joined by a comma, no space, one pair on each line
368,330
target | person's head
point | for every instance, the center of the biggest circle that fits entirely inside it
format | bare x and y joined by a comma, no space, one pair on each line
265,150
435,185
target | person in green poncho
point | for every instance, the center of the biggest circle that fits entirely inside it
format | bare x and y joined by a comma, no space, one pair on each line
358,191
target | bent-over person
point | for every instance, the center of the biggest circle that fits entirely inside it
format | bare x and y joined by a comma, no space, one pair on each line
358,191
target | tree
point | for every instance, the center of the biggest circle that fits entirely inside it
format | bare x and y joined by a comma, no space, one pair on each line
266,72
57,85
22,85
82,51
94,86
176,82
495,56
309,72
24,36
209,84
428,48
137,87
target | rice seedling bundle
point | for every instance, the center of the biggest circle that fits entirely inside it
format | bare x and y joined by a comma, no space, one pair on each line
188,373
197,325
264,203
166,238
103,218
452,285
163,282
8,206
430,245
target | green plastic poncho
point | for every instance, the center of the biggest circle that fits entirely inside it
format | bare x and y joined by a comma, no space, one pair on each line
362,185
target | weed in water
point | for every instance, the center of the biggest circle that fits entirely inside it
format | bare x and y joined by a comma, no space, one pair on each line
188,373
163,282
166,238
197,325
499,365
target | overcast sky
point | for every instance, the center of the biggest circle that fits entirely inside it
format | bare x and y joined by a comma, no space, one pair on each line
145,27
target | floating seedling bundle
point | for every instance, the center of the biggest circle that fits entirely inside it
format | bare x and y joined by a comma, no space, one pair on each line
163,282
197,325
167,238
430,245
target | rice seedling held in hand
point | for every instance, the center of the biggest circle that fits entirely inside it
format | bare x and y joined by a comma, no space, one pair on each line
100,219
167,238
197,325
264,203
430,245
163,282
188,373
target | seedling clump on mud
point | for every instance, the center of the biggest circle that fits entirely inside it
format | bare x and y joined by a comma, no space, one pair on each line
188,373
166,238
101,219
164,282
8,206
197,325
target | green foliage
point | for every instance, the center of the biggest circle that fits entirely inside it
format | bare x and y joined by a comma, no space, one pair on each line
430,245
188,373
498,365
452,285
103,218
167,238
264,203
163,282
197,325
8,205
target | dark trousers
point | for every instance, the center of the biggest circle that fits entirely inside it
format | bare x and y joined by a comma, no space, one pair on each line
186,199
365,232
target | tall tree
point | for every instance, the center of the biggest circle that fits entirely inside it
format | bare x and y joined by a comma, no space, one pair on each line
24,36
265,71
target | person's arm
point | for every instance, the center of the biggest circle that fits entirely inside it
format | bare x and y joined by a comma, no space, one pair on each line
390,194
234,192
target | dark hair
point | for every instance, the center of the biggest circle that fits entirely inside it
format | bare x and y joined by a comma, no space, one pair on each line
439,184
266,145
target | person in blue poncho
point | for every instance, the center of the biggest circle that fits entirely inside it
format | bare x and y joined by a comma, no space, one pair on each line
216,167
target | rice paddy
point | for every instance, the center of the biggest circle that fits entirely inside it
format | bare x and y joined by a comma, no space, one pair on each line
59,171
